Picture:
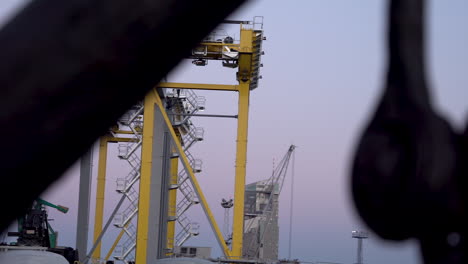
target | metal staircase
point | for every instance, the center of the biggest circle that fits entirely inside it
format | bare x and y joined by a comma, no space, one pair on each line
184,104
256,55
189,197
130,152
195,134
181,105
189,229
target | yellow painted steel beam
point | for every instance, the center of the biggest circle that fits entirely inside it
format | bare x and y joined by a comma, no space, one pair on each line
213,51
245,56
192,177
124,132
100,191
109,253
120,139
246,40
145,181
172,212
231,45
241,160
199,86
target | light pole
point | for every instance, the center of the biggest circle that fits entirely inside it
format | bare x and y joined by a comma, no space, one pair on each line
359,235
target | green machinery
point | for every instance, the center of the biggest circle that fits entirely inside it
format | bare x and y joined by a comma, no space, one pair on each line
34,228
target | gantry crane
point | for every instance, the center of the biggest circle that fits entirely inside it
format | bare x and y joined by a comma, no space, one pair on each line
244,55
159,127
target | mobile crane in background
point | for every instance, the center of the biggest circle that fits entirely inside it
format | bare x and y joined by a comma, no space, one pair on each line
36,234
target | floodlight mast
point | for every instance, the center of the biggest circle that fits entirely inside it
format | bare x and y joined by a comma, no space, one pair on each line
359,235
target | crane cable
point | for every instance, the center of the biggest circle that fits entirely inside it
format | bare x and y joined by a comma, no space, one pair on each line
291,204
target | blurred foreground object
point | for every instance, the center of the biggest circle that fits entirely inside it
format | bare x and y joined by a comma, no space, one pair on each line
69,69
407,176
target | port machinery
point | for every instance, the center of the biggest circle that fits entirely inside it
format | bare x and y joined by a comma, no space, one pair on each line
154,139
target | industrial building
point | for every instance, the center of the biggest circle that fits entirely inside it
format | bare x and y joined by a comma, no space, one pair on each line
261,230
193,252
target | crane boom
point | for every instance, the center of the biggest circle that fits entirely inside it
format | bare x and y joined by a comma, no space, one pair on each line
61,208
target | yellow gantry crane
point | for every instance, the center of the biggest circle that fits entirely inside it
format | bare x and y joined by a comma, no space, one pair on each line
162,146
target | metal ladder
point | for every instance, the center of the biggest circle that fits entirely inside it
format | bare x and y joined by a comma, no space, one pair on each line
189,229
130,152
186,103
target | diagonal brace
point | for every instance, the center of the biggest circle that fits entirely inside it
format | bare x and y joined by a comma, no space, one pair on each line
193,179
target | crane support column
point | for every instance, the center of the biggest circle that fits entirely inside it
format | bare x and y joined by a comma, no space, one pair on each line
172,210
84,198
145,181
241,160
244,76
192,178
100,191
154,185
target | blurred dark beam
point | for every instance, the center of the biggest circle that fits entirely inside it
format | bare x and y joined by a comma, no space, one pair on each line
69,69
409,172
